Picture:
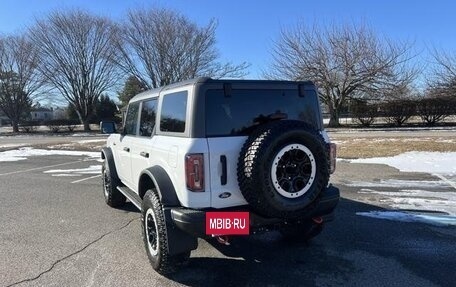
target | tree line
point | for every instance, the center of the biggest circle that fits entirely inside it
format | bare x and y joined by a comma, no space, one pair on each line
79,57
397,112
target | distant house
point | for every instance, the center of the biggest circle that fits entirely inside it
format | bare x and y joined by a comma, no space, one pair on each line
42,114
59,113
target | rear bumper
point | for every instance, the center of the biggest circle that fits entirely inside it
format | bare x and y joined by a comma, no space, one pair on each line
194,221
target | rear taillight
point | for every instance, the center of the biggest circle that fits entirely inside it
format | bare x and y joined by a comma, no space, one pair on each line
194,171
332,157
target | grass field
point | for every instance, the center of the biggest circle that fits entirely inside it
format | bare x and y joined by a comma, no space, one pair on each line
365,147
351,143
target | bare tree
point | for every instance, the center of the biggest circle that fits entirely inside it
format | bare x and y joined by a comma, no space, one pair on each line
161,46
433,110
442,82
77,57
345,62
19,80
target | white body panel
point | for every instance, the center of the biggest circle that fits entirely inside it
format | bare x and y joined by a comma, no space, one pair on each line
169,153
164,151
229,147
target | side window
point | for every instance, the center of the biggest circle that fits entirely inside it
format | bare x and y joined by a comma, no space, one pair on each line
147,121
131,120
173,112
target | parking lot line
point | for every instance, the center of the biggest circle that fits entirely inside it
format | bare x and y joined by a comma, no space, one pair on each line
452,184
87,178
38,168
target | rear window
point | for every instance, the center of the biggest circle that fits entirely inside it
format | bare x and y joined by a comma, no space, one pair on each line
243,110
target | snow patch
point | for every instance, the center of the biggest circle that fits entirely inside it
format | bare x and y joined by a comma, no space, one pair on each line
93,169
65,175
89,135
92,141
415,199
414,161
437,219
23,153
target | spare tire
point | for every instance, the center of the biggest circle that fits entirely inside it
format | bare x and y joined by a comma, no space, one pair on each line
282,169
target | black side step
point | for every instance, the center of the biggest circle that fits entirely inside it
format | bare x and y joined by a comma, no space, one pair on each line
131,195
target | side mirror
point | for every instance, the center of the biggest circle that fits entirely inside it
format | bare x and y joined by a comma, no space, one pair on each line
107,127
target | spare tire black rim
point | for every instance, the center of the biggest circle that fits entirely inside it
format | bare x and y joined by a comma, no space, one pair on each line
293,170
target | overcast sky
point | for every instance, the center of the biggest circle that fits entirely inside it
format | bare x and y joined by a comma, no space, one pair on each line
246,28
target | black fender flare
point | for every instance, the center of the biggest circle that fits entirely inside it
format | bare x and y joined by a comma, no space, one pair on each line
179,241
106,154
163,185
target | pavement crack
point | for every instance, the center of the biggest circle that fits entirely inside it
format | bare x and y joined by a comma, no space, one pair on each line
72,254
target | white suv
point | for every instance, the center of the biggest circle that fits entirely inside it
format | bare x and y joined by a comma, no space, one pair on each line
237,146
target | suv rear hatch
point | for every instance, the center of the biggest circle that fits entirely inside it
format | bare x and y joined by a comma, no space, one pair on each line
232,113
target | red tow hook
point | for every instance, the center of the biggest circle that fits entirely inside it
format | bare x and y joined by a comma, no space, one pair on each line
318,220
225,240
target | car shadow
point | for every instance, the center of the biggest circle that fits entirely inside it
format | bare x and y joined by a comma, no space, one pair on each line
268,260
129,207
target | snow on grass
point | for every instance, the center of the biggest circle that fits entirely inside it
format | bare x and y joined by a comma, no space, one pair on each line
428,162
24,153
89,135
93,169
10,145
434,219
399,183
92,141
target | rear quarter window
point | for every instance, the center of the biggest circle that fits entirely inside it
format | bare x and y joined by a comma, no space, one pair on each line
174,112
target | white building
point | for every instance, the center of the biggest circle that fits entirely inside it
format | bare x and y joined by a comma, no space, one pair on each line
42,114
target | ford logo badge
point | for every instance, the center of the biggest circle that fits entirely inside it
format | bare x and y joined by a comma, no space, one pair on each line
225,195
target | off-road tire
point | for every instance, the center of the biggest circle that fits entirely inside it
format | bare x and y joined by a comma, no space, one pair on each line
255,169
112,195
161,261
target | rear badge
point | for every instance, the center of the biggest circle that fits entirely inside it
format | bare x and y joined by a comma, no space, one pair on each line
225,195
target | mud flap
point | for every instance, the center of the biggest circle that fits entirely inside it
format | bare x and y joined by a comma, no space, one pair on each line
178,240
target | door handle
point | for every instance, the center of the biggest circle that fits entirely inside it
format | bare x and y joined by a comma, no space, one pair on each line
127,149
144,154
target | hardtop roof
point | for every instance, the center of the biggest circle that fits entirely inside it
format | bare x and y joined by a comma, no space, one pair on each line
155,92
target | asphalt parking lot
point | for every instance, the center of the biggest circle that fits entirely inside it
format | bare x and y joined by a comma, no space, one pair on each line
57,231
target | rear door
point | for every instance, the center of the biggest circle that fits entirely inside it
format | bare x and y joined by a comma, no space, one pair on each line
141,149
